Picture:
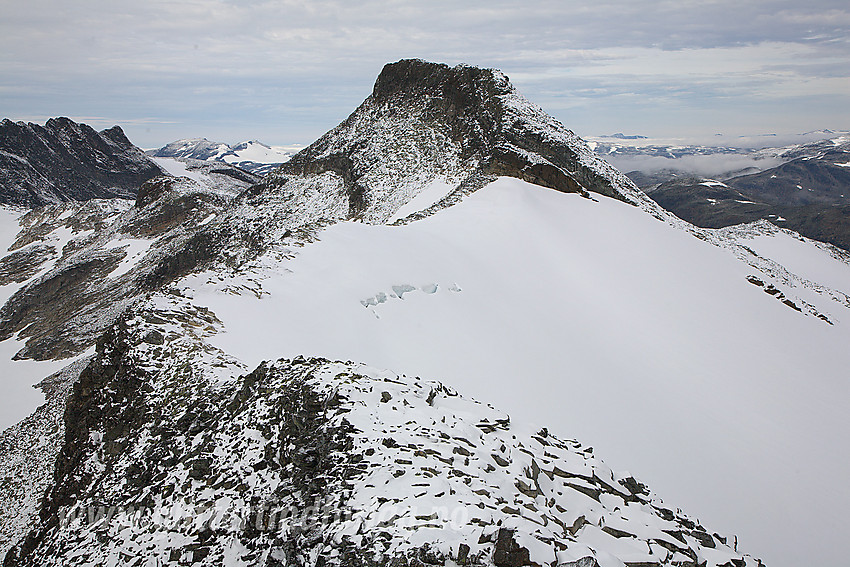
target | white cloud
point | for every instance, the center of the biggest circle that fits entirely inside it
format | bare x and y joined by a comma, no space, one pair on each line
196,61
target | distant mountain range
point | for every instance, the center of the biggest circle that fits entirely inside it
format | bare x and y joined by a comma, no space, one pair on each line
252,156
804,187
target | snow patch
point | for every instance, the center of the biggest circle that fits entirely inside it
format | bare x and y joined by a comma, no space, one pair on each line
135,250
180,169
429,195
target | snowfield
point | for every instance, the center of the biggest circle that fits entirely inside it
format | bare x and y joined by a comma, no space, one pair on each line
592,318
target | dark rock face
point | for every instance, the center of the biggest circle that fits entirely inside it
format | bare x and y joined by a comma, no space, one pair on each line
65,161
465,123
21,265
584,562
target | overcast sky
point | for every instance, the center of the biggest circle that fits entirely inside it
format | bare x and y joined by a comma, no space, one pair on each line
284,72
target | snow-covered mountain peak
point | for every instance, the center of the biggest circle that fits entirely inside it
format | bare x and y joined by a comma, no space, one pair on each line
251,155
462,126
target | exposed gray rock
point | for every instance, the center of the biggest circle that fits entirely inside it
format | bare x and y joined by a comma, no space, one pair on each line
507,553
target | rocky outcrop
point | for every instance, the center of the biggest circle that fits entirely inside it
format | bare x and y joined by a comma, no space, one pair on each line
507,553
66,161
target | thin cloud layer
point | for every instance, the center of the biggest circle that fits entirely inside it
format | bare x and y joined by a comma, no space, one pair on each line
286,71
706,165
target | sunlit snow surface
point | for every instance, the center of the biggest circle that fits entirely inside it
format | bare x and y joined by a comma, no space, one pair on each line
432,193
134,250
598,321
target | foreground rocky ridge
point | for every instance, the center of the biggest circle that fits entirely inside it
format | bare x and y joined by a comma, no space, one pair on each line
66,161
172,453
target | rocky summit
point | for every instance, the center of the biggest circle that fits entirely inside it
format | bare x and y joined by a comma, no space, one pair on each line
462,125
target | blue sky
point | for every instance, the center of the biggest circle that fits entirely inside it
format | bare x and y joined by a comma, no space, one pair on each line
286,71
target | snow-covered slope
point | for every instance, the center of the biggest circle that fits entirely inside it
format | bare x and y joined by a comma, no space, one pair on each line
598,321
172,457
309,462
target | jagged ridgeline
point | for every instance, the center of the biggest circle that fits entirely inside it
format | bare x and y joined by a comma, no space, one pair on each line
66,161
